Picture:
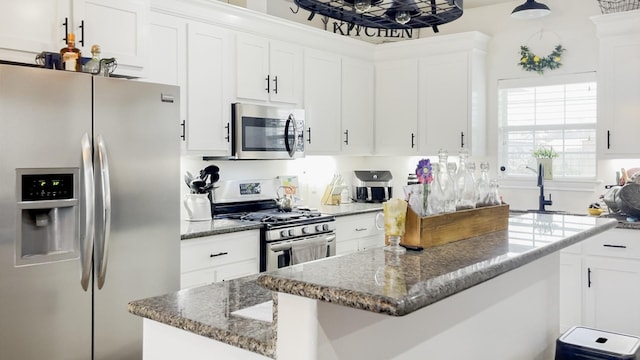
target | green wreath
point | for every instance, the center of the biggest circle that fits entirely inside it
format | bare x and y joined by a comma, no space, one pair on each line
532,62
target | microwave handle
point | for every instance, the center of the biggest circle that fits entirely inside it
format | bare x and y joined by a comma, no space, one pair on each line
291,121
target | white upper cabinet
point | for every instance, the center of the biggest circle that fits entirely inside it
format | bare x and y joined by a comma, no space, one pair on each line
618,84
31,27
168,45
430,94
452,102
196,57
118,26
268,70
322,72
396,98
208,128
357,106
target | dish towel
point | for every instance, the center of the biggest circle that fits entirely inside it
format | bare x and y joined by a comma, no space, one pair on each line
308,250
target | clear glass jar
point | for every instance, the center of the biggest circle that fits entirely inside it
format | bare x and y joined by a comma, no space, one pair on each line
483,186
435,200
447,184
494,195
465,183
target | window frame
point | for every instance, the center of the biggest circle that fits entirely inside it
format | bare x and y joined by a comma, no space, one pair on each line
503,84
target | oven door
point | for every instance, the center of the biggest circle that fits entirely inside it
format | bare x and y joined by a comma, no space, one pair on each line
278,253
264,132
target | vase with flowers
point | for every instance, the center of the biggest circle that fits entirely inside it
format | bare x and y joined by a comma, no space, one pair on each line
424,172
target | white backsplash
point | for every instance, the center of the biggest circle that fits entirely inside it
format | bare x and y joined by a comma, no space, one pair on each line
315,172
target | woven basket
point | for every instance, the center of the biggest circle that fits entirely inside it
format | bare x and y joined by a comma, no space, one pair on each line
614,6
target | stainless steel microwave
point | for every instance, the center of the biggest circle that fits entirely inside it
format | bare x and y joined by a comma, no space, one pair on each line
267,132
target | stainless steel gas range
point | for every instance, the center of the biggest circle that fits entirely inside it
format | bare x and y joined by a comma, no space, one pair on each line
286,237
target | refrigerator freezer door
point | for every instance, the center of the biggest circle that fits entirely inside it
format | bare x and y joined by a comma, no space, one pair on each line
141,133
44,312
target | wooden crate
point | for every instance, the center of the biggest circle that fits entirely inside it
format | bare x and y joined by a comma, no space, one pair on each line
445,228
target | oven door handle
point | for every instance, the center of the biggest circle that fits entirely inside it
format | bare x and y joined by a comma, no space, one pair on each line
282,246
286,245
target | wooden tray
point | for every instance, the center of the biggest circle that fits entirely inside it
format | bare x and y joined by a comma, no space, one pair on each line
445,228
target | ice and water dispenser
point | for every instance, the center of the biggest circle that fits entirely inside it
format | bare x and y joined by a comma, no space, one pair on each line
48,213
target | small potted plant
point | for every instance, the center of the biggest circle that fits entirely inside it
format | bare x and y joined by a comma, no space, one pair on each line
544,155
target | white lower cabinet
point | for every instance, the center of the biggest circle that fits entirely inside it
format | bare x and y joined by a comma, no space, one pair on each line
357,233
219,257
609,283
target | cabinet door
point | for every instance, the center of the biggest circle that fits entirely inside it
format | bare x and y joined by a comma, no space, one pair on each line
443,92
208,102
619,96
396,107
168,48
612,294
32,27
252,72
285,70
322,102
118,27
570,290
357,106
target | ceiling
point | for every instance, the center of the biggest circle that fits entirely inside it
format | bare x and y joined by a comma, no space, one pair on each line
468,4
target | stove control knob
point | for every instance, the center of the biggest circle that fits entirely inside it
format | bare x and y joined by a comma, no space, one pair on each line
325,227
318,228
292,232
305,230
284,233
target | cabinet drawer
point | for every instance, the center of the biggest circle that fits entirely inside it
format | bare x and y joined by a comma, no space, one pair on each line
371,242
357,226
219,250
623,243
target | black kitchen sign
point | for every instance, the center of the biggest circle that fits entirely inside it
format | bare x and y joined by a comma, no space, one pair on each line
348,29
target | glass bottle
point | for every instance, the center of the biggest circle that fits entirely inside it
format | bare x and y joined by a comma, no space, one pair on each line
465,184
93,66
446,183
71,55
435,201
494,195
483,185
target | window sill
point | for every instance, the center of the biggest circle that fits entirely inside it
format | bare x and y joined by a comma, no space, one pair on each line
576,185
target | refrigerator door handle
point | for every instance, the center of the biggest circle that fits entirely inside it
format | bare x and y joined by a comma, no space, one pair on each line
89,198
105,212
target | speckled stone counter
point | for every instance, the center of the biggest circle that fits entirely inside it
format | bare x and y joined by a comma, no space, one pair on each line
195,229
207,311
370,280
350,208
357,280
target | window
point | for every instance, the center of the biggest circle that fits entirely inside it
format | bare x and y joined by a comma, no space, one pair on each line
559,113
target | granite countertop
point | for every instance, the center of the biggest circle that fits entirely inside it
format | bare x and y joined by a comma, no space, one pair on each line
371,280
352,208
377,281
208,311
195,229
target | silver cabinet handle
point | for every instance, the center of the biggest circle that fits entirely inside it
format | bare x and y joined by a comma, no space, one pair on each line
105,212
89,203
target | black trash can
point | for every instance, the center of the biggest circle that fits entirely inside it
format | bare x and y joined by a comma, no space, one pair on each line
587,343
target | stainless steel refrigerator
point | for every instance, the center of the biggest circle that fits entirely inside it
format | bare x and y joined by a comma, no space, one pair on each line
89,211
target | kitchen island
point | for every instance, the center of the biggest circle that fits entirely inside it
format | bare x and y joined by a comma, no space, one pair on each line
492,296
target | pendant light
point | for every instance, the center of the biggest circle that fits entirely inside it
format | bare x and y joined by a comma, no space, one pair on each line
387,14
530,10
